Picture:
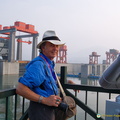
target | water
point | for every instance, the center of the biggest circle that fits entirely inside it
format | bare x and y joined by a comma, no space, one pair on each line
10,81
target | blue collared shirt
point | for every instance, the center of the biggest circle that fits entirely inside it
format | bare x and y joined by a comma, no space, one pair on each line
39,77
51,65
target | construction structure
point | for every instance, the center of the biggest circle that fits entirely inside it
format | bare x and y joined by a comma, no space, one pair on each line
4,48
7,43
111,55
8,63
93,58
62,55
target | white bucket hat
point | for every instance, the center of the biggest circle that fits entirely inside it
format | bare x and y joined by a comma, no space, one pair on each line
50,36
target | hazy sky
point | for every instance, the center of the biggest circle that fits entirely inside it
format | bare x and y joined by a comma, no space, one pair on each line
85,26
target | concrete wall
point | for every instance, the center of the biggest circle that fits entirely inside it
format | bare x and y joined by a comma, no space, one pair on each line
1,68
85,70
96,70
9,68
72,68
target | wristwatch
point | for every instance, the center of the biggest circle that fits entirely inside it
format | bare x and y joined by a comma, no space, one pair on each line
40,99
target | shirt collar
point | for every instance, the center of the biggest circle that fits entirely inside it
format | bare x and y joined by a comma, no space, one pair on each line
50,62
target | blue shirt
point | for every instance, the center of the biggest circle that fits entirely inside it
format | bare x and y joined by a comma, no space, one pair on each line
39,76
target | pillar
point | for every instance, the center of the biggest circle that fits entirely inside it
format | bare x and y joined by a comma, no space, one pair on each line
19,50
34,46
11,46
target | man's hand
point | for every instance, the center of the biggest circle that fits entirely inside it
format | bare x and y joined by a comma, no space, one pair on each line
71,82
52,100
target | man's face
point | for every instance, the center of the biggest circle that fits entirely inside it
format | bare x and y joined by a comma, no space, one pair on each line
50,50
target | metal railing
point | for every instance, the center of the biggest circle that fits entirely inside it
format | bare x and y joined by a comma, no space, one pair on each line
11,92
6,94
85,88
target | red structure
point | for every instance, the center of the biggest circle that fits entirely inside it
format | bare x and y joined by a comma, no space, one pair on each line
21,26
0,27
10,31
111,55
62,55
20,40
93,59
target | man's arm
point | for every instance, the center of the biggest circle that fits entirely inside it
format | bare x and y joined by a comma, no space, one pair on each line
26,92
29,94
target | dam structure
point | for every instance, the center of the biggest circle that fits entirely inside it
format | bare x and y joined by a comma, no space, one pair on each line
83,70
11,59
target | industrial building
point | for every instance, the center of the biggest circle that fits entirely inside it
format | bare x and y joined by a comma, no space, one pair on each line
9,64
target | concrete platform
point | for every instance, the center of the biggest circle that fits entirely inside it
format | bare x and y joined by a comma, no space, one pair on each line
9,68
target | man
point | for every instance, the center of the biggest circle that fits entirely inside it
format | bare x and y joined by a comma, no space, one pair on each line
38,84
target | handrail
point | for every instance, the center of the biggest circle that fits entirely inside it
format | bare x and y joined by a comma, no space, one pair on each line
11,92
84,107
83,87
91,88
7,93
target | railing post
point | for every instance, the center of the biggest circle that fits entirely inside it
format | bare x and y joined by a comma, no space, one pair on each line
63,75
23,105
6,115
97,102
15,115
86,97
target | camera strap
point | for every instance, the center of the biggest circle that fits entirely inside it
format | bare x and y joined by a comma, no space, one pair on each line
52,73
60,86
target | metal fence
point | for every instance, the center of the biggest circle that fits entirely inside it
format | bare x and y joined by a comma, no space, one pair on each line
83,105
